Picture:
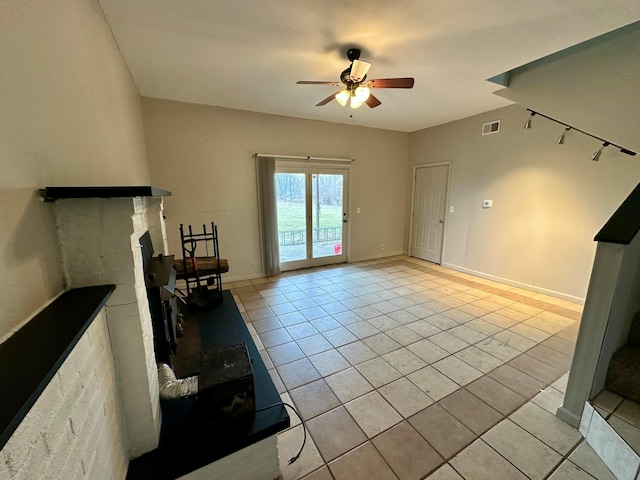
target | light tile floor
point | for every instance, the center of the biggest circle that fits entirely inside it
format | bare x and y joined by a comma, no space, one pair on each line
623,415
405,369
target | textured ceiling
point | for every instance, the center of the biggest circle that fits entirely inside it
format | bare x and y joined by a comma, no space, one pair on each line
248,54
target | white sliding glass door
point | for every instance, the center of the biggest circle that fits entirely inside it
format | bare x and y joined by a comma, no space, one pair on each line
312,215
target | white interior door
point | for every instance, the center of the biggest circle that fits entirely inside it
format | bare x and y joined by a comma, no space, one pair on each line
312,215
429,204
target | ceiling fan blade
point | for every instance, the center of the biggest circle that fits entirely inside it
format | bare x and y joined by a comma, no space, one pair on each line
391,83
372,101
327,100
313,82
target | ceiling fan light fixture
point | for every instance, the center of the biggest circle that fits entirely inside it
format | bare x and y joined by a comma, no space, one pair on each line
356,102
353,80
362,93
359,70
343,97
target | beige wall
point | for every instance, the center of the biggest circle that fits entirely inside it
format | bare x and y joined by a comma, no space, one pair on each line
203,155
70,115
549,200
593,86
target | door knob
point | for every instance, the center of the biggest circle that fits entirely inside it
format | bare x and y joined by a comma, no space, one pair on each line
440,221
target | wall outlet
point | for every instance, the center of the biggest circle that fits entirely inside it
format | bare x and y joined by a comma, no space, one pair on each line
383,246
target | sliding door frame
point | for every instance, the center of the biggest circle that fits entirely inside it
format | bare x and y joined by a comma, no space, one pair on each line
310,168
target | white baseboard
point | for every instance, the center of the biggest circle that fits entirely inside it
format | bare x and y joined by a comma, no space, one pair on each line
568,416
240,278
514,283
377,256
488,276
253,276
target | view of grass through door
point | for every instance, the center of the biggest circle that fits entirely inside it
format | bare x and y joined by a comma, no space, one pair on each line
310,214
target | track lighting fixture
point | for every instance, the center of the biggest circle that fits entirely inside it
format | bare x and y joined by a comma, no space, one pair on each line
561,137
596,156
527,124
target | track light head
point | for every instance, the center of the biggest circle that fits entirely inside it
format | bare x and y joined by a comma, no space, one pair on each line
527,124
596,156
561,137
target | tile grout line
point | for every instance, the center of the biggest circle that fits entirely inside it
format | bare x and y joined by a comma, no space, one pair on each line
434,272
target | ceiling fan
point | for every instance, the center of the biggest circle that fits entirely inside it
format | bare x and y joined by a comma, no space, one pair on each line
355,88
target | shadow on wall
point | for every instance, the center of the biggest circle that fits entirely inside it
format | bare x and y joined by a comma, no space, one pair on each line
31,270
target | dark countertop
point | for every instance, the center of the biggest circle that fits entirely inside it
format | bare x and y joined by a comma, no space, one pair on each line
31,357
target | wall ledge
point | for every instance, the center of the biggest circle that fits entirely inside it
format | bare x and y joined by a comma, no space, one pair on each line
53,193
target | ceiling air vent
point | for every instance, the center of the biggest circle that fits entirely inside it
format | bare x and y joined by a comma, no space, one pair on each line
491,127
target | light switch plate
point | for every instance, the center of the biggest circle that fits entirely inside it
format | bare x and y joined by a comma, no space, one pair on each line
487,203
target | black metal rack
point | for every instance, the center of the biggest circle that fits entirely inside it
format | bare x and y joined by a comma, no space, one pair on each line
201,266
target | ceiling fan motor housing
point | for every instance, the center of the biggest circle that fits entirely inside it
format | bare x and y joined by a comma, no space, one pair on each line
347,79
353,54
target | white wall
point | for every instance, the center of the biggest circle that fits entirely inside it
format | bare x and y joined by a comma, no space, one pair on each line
70,115
203,155
74,430
549,200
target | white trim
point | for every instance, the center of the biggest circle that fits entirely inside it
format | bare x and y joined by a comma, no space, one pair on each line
515,283
377,256
449,165
568,416
300,157
310,168
255,462
240,278
347,251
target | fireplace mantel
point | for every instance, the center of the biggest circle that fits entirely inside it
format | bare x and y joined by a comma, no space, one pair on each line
54,193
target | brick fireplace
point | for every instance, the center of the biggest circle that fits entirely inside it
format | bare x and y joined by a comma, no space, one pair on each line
99,243
100,407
